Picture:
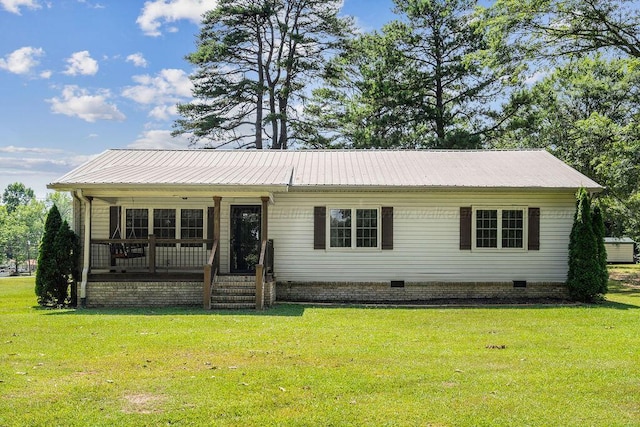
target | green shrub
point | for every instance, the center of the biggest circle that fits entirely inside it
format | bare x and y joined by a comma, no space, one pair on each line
584,279
48,272
601,250
57,260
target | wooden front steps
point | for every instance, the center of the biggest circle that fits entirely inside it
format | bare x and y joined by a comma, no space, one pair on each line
234,292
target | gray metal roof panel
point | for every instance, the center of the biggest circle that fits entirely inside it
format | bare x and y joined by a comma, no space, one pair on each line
330,168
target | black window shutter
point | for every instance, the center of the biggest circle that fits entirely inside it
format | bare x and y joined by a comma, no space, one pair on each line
114,222
465,228
210,211
387,227
534,229
319,227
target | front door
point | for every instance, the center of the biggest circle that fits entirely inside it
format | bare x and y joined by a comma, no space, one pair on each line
245,238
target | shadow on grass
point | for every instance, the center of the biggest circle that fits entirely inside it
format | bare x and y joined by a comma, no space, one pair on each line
280,310
616,289
289,309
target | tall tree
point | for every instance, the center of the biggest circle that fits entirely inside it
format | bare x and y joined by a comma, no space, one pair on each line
17,194
601,250
49,271
424,80
67,250
560,28
21,230
586,113
63,202
254,59
584,278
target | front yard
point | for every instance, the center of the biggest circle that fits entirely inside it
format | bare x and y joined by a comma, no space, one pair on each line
305,365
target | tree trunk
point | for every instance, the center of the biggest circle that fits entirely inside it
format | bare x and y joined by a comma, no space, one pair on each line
282,103
260,91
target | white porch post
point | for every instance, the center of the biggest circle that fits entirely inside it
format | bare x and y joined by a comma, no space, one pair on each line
86,246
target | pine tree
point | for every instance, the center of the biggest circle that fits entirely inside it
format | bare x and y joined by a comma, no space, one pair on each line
599,231
48,270
584,279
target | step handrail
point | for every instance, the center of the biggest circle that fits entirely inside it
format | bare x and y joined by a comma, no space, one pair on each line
210,273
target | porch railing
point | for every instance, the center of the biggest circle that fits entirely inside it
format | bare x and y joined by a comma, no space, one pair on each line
150,255
210,273
264,271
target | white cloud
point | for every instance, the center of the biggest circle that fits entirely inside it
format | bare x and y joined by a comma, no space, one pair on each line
14,6
170,85
536,77
37,150
92,5
137,59
156,12
21,61
162,91
81,63
77,102
46,74
164,112
160,139
36,166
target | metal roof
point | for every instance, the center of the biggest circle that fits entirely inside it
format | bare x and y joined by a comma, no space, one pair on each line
618,240
298,169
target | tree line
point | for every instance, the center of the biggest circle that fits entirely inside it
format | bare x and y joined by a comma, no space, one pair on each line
560,75
22,220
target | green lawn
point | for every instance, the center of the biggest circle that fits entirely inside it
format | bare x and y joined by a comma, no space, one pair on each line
304,365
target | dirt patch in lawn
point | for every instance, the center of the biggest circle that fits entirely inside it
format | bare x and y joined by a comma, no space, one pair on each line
627,278
143,403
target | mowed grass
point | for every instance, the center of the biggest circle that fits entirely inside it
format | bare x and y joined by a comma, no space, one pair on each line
320,366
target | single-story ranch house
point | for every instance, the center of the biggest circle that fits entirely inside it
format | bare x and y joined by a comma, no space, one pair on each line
246,228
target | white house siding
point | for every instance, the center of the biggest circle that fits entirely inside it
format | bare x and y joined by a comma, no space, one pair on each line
99,219
619,252
426,239
426,236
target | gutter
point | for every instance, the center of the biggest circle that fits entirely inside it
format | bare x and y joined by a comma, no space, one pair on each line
86,257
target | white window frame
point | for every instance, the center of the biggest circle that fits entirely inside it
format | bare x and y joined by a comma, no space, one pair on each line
354,228
500,209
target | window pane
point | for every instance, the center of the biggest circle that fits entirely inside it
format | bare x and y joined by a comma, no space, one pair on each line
340,228
487,228
137,224
164,224
366,228
512,229
191,225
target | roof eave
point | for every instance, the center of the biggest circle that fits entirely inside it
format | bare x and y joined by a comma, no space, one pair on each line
128,187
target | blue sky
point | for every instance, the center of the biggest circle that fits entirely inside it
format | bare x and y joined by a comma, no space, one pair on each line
80,76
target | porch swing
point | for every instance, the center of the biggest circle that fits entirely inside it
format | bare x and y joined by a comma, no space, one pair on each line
125,250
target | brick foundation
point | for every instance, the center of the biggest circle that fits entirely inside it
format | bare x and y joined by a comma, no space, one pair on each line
269,293
144,294
174,294
414,292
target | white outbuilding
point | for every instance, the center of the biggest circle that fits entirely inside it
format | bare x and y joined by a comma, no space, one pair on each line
619,249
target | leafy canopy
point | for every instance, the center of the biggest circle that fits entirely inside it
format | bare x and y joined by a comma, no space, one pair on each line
254,59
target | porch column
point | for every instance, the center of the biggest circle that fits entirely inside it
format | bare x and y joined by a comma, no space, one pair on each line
86,256
264,231
217,200
265,218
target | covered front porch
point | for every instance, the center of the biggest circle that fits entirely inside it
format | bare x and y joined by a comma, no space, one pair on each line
223,257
